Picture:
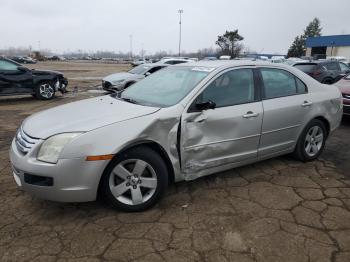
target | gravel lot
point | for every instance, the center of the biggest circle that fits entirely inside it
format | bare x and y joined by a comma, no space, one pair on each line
275,210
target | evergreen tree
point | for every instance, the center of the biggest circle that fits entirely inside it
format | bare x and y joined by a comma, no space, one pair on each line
298,47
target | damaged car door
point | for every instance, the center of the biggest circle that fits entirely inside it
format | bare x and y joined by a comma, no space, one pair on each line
223,123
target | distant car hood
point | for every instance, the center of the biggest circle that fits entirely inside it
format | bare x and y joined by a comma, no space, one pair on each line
120,76
45,72
83,116
343,85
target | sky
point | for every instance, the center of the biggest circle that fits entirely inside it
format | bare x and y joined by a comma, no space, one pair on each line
268,26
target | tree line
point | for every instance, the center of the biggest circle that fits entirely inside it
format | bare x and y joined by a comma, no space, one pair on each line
229,43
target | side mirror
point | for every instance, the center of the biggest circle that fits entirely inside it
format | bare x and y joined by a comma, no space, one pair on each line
205,105
147,73
22,69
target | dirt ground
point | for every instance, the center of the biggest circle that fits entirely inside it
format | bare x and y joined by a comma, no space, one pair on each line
276,210
82,74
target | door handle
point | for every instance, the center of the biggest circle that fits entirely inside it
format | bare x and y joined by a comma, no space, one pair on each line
306,103
250,114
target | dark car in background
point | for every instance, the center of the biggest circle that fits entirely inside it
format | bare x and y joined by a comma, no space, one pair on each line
344,87
23,59
16,79
326,72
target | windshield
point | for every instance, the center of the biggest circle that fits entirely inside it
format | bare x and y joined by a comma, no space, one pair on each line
166,87
347,77
140,70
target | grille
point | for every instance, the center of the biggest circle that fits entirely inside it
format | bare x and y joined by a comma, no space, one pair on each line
346,96
25,142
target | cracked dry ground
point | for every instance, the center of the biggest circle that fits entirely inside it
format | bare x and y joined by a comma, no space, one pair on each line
276,210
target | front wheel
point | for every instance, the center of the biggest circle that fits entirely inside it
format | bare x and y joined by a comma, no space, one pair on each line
135,180
311,141
45,91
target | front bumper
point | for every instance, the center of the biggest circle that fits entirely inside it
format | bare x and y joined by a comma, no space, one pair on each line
73,180
61,85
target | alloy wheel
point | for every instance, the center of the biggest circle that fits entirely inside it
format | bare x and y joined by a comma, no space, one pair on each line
133,182
46,91
313,141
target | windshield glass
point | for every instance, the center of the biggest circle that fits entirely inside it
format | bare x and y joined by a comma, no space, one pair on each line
166,87
139,70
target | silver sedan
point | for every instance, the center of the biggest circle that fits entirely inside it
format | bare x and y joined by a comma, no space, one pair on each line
181,123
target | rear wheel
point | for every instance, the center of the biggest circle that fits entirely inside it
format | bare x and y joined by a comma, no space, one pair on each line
311,142
135,180
45,91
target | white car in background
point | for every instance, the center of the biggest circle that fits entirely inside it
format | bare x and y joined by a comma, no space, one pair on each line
122,80
174,60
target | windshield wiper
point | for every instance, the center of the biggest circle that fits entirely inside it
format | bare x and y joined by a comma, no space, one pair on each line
129,100
117,95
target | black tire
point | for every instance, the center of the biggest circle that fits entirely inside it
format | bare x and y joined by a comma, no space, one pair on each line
328,81
45,95
146,155
300,151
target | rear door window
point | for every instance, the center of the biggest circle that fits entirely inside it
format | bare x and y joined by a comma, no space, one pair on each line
279,83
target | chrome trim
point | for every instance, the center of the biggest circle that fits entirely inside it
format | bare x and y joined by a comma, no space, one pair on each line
280,129
219,142
24,142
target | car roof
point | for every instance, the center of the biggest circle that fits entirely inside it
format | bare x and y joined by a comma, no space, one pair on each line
229,63
155,64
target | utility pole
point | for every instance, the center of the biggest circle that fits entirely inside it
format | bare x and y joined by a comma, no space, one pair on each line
180,11
130,46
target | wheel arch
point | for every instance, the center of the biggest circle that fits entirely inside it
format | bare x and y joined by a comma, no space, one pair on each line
146,143
325,122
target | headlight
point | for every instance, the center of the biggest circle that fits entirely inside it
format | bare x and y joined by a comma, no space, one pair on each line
52,147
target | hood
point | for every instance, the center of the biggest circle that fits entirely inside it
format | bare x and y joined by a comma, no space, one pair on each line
83,116
343,85
119,76
45,72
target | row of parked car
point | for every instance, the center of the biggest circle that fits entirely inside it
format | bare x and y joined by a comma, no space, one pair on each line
325,71
15,79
